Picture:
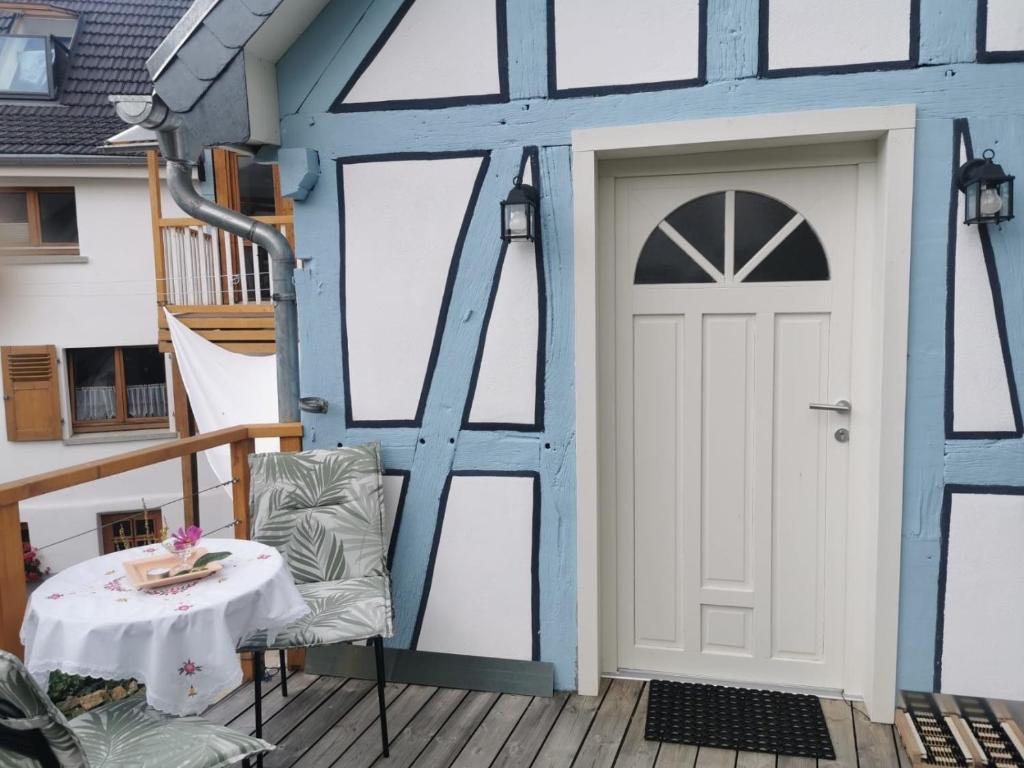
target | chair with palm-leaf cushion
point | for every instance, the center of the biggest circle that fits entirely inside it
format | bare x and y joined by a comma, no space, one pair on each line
35,734
323,510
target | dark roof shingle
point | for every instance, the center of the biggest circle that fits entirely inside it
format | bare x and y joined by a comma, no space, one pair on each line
113,41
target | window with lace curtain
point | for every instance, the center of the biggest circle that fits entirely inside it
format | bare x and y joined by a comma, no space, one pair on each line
115,388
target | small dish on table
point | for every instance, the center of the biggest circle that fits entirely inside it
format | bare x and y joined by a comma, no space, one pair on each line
139,571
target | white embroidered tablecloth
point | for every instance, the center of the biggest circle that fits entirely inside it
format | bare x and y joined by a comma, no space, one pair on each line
179,640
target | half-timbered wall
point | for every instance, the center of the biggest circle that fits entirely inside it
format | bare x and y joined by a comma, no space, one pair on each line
456,353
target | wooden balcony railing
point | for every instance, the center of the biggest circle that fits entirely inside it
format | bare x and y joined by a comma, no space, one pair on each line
197,265
12,574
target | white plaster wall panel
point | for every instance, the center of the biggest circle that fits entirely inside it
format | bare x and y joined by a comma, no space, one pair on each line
983,625
481,592
981,392
1004,30
825,33
402,224
611,43
440,49
393,487
506,385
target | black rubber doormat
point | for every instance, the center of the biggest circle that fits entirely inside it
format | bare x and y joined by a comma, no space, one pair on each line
738,718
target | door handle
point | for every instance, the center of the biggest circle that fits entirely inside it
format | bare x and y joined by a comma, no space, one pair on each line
839,406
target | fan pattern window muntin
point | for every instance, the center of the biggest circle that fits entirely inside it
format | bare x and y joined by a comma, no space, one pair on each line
769,242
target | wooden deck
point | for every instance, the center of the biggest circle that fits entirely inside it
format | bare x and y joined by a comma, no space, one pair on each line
327,721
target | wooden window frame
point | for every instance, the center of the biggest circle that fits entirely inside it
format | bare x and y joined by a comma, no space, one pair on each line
36,246
107,523
122,422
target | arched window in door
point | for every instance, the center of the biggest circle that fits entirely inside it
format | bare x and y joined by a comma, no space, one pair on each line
769,243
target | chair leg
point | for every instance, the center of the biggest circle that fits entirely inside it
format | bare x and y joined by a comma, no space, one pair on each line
378,647
257,685
284,672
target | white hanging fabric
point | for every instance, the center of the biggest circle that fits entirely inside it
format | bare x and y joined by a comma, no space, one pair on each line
225,389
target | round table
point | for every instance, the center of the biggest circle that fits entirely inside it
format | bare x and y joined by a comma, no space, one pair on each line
178,640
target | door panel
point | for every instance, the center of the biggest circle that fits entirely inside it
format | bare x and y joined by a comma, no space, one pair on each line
798,486
658,420
731,492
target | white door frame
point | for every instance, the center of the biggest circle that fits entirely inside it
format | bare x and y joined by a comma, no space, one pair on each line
881,404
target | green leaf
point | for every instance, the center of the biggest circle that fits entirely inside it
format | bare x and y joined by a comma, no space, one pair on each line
205,560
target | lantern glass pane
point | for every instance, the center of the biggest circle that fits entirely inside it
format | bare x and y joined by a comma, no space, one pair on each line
1006,192
517,220
971,203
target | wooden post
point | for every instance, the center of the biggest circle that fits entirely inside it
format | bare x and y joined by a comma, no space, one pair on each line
12,580
189,463
156,213
240,452
296,656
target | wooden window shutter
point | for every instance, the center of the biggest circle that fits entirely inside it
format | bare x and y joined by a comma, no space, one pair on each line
31,393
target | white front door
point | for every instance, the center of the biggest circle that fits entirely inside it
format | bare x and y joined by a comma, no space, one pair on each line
732,318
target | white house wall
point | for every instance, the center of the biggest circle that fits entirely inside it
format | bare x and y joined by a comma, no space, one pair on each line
440,49
109,299
480,585
822,34
403,225
505,390
983,572
610,44
983,401
1004,25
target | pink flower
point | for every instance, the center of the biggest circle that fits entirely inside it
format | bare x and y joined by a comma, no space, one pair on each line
264,556
189,668
187,537
183,607
55,596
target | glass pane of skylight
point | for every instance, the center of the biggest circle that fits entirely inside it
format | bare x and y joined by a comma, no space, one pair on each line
23,66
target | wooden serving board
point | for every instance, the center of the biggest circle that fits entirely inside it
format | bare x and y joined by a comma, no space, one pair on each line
137,570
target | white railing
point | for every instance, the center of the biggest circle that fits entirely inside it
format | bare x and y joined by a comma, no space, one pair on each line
203,266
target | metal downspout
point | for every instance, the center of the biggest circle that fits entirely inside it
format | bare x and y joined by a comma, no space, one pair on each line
286,336
180,149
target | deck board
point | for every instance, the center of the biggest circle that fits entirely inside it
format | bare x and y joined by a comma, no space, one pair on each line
346,730
407,746
755,760
839,717
570,729
450,740
367,748
601,746
636,751
332,721
492,733
317,725
676,756
709,757
875,746
531,732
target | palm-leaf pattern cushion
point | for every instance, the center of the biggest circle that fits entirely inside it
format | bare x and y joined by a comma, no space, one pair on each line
24,706
324,512
340,611
129,734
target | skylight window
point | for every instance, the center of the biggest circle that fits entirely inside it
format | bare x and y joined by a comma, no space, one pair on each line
33,55
27,66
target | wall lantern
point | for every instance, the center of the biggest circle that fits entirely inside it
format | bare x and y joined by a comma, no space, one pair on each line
988,191
519,213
